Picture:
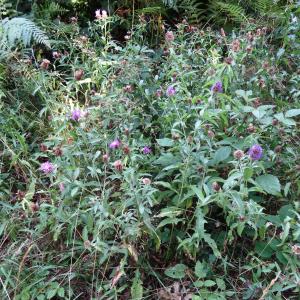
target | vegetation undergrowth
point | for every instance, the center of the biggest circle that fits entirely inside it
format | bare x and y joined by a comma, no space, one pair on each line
133,172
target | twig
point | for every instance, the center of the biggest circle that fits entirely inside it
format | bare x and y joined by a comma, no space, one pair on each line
266,290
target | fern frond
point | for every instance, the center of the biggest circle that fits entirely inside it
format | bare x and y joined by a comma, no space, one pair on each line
192,8
48,10
22,30
232,11
263,6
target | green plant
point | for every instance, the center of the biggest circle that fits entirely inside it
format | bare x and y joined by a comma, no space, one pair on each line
136,172
22,30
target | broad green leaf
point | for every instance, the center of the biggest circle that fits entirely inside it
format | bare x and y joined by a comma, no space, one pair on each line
176,272
200,270
51,293
167,159
221,284
269,183
209,283
61,292
287,121
292,113
263,249
165,142
221,154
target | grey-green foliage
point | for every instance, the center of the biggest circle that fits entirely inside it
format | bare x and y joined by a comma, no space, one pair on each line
21,30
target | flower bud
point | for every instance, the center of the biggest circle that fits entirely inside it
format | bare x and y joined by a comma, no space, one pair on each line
34,206
223,34
146,181
238,154
126,149
56,54
58,151
105,158
118,165
251,128
45,64
228,60
216,187
43,148
296,249
278,149
128,88
78,74
210,133
73,20
169,36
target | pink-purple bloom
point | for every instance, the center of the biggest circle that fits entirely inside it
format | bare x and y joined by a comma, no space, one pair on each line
217,87
255,152
101,14
146,150
76,115
115,144
171,91
47,167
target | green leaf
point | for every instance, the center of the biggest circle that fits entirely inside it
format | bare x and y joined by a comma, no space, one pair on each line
51,293
165,142
269,183
221,284
221,154
137,287
169,221
61,292
287,121
292,113
176,272
209,283
263,249
248,172
200,270
167,159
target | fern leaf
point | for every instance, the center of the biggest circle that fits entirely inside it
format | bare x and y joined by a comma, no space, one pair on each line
22,30
232,11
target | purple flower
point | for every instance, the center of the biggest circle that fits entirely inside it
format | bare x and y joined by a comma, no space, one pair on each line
115,144
146,150
255,152
217,87
76,115
171,91
47,167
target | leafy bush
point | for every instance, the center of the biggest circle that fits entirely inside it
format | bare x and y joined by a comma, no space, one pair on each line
167,173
